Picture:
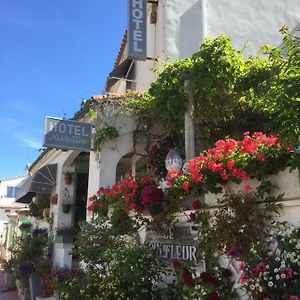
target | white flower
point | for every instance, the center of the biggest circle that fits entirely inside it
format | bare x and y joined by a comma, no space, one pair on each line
270,284
277,277
252,287
277,258
275,270
282,275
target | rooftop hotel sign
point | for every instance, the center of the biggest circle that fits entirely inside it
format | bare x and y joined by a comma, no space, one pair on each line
67,134
137,29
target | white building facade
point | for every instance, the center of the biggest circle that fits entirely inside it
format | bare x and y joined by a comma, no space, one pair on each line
176,28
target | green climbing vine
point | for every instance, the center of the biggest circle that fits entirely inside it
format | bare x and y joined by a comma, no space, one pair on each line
231,94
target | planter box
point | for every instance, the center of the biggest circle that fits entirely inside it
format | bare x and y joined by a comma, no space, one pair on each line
35,284
287,183
64,238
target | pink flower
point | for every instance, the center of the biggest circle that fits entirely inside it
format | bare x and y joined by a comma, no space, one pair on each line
288,272
243,278
253,272
242,266
294,298
266,298
247,187
186,185
261,267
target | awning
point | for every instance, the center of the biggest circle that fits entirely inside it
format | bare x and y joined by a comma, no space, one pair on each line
118,72
42,181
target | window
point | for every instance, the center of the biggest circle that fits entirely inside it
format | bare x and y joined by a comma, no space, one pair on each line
12,191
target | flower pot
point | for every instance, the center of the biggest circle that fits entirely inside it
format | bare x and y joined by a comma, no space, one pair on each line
46,213
35,285
157,212
66,208
53,199
68,179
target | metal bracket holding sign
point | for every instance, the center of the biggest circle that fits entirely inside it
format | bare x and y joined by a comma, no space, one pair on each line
67,134
137,29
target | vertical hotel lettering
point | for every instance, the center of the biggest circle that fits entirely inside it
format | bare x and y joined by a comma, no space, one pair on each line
137,30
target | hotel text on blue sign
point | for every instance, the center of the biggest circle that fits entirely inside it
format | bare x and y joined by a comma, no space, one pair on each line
67,134
137,29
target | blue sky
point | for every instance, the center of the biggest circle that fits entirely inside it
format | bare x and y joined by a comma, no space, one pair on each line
53,54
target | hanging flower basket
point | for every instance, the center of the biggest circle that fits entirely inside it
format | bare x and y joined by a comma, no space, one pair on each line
157,212
66,208
68,177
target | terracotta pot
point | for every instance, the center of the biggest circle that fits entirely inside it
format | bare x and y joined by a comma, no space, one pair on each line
68,180
46,213
157,212
53,199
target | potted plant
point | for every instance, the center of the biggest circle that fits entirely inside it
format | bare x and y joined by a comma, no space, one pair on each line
65,234
66,206
46,213
35,210
68,177
152,199
53,199
25,227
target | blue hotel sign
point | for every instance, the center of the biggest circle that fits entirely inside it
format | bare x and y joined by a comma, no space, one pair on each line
137,29
67,134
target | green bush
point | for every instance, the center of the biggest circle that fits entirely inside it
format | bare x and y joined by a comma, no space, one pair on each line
117,266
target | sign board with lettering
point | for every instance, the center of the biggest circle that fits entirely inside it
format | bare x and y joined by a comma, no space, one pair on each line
177,243
67,134
137,29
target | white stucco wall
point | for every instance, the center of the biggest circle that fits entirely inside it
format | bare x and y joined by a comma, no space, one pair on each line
183,27
256,22
186,23
7,205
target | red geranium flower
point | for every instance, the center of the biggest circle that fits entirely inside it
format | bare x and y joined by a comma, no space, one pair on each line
192,216
227,273
186,185
187,277
151,195
213,296
176,263
196,204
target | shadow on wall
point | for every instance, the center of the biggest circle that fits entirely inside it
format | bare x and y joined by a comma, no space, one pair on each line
191,31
